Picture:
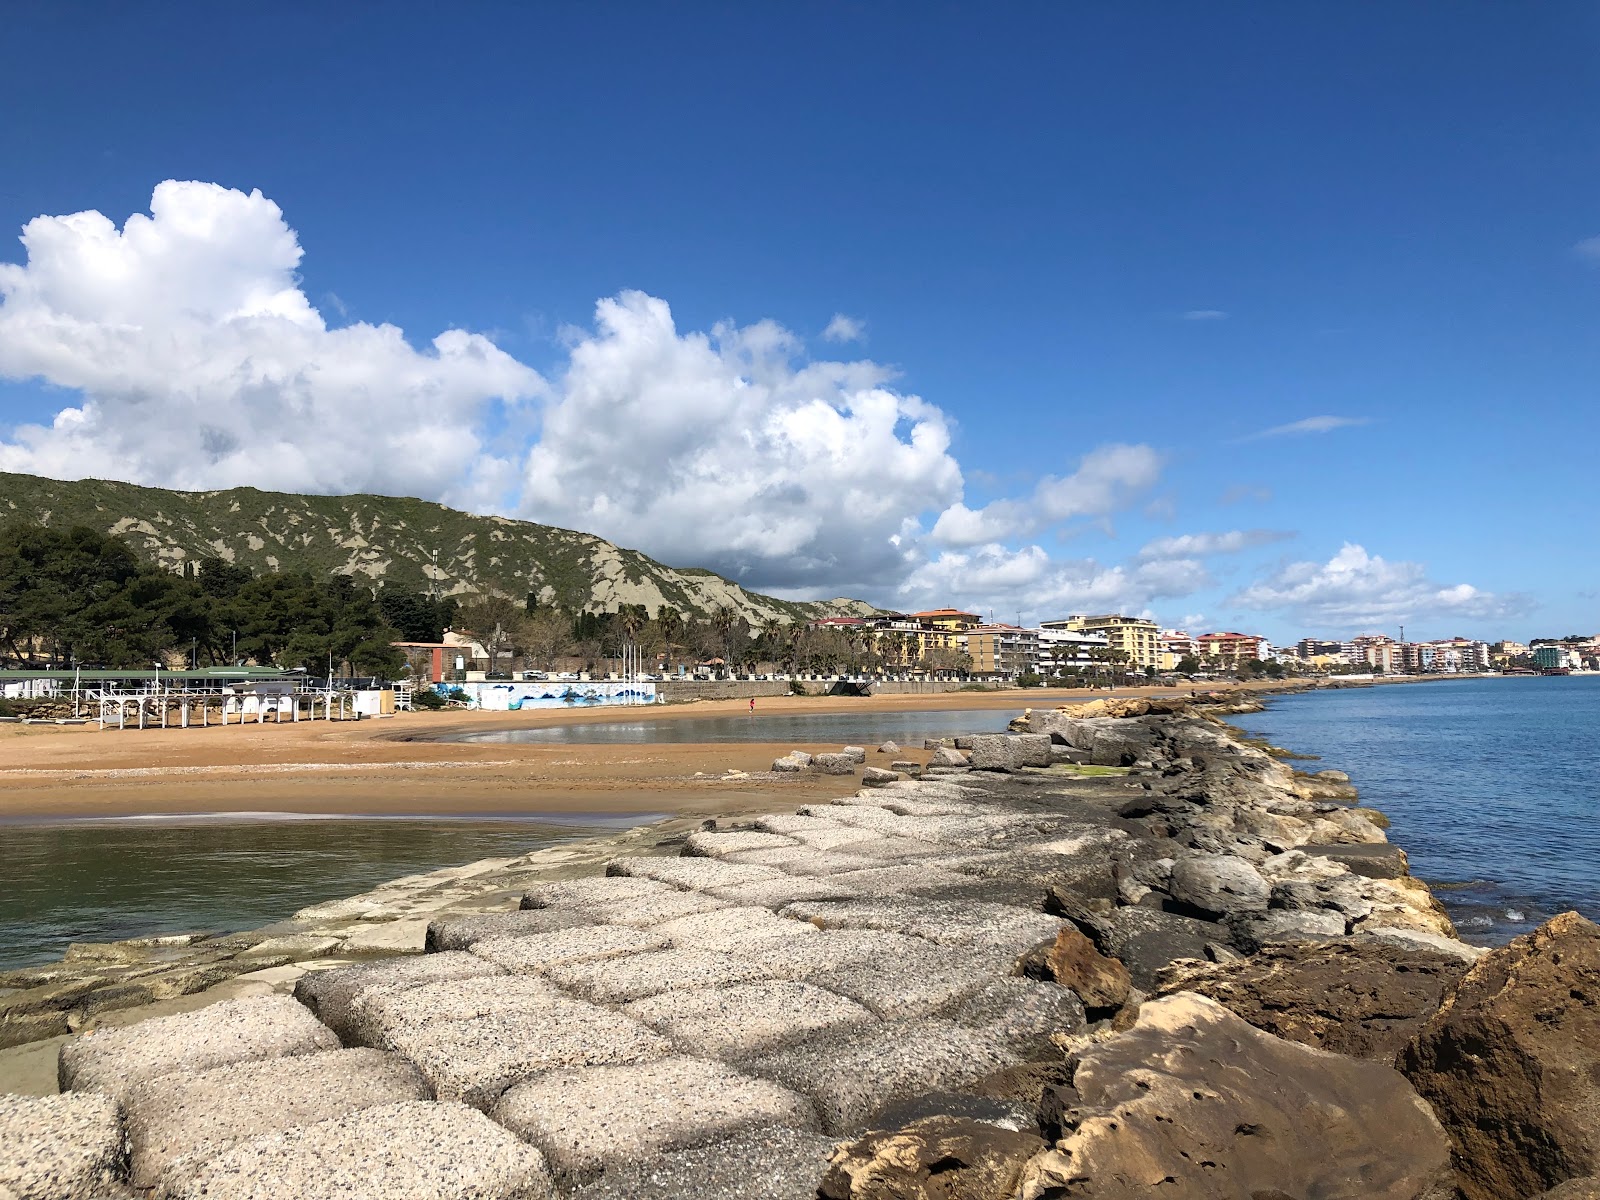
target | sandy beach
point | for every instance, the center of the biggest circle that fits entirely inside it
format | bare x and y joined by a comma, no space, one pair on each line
399,766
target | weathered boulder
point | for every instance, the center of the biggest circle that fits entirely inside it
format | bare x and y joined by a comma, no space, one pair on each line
834,764
889,747
1218,884
1073,962
1511,1063
906,767
1587,1188
939,1158
1009,751
1147,939
946,756
858,754
788,765
800,756
878,777
1360,998
1194,1104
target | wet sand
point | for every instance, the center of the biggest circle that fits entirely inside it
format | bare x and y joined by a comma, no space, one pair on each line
398,766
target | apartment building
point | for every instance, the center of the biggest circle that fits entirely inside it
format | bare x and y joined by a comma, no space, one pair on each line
1002,651
1176,645
1060,649
1231,647
1137,638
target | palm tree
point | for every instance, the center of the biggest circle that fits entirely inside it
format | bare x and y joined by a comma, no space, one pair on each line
670,621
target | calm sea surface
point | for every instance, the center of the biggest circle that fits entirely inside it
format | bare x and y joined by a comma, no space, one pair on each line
102,880
1492,785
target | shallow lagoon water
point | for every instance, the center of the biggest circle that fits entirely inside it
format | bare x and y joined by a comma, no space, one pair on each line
1491,786
95,881
803,729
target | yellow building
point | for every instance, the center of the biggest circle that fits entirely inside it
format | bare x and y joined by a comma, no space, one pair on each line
1138,639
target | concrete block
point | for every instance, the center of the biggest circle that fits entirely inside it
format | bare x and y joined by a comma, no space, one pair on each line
767,1163
747,1019
718,844
637,976
805,860
585,1121
801,958
731,929
581,944
459,933
331,994
389,937
377,1018
899,879
694,874
646,911
68,1147
850,1077
596,889
113,1060
1021,1014
784,889
475,1061
178,1122
916,978
392,1152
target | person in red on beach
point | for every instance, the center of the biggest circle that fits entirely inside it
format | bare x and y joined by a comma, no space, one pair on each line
752,706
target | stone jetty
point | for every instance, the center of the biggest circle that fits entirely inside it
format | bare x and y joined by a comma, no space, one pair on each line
1108,955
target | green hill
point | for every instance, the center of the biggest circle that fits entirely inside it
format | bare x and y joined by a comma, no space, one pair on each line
408,543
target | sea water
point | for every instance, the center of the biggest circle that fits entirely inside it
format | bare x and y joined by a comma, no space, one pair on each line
96,881
1492,786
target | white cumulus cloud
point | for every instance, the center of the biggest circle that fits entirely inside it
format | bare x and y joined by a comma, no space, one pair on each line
1107,480
1355,589
202,364
844,329
1029,580
726,450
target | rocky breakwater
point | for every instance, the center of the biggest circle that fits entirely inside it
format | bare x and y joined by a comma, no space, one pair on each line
1027,977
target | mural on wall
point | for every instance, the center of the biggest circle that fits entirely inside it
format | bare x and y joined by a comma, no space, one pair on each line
505,697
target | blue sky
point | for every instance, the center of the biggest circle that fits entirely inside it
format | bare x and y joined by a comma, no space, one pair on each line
1053,232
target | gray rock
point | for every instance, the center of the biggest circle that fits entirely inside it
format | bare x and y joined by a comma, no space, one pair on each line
890,747
178,1122
906,767
1009,752
945,756
113,1060
1147,939
800,756
835,764
1219,884
573,1116
877,777
771,1163
788,765
1374,860
66,1147
857,753
393,1152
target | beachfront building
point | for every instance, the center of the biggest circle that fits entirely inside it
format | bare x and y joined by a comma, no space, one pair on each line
1379,651
1002,651
1061,650
948,620
1176,645
1231,648
1136,639
1319,649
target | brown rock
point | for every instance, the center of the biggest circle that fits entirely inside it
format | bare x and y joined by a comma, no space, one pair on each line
1361,998
940,1158
1072,961
1511,1063
1587,1188
1194,1104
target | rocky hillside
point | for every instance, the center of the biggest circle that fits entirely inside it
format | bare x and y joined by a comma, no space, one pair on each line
394,540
